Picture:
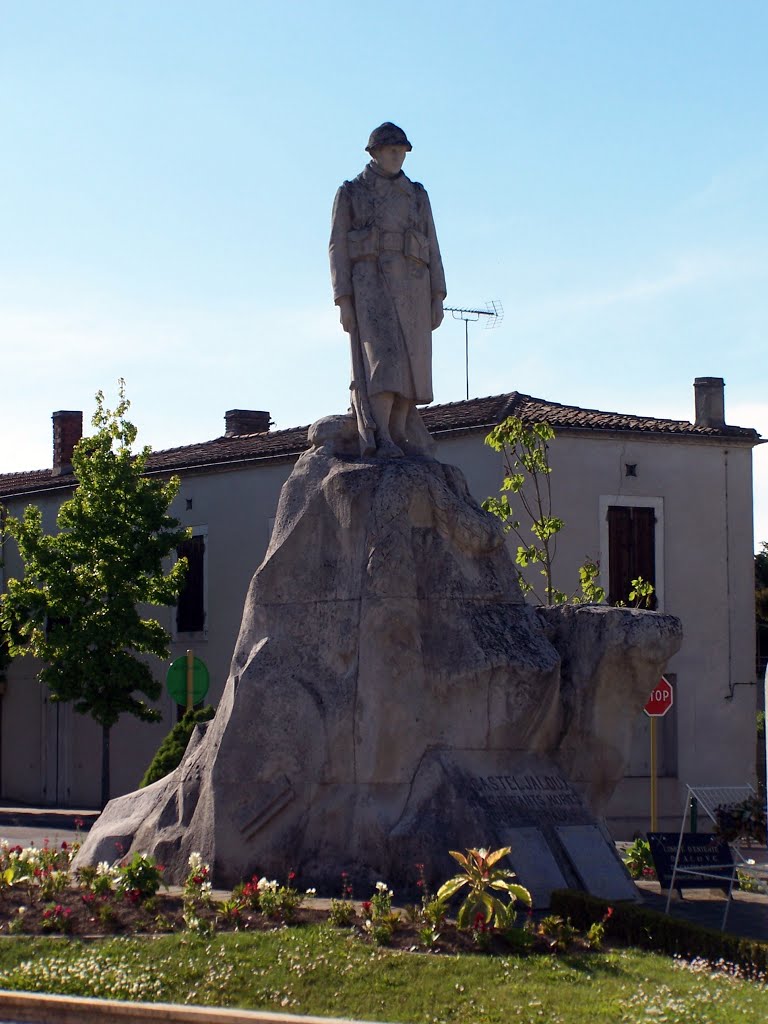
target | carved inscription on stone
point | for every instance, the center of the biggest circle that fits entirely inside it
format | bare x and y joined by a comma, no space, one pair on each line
538,799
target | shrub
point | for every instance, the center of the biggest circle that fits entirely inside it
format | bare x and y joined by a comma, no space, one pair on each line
171,751
484,879
742,820
140,878
639,861
634,925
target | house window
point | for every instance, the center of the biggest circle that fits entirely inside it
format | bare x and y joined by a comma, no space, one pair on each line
191,605
631,550
632,546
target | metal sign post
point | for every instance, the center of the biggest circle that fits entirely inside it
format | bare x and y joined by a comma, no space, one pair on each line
657,705
187,680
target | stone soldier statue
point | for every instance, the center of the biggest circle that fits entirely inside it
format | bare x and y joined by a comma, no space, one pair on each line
389,285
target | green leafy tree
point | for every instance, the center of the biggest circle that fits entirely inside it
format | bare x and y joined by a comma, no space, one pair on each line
76,607
525,451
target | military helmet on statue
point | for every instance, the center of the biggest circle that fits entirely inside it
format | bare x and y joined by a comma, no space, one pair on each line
388,134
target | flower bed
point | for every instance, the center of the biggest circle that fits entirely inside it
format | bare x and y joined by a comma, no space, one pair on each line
39,894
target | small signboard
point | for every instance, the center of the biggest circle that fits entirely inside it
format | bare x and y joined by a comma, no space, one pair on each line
661,699
699,852
177,678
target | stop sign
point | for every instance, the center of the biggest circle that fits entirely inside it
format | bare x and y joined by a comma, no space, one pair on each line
661,699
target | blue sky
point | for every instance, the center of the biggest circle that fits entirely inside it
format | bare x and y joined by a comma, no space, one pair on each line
168,170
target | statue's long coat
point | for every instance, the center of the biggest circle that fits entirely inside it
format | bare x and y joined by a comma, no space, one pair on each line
384,253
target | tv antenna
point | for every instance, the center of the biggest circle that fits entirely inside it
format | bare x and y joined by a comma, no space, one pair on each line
494,311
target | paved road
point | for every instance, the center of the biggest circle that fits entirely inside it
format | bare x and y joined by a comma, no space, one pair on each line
26,835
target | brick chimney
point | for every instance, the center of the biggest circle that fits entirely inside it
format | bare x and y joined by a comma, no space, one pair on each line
67,431
246,421
710,402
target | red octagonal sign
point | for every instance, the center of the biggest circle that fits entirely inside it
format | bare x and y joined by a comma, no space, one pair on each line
661,699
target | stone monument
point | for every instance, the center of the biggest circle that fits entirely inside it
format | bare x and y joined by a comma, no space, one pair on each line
391,695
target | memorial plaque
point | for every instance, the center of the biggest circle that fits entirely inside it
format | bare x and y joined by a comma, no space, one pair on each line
596,862
517,799
534,864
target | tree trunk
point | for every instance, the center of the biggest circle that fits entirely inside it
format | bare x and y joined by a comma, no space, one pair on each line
105,731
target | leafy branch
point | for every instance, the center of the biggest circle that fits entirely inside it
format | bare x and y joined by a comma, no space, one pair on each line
527,475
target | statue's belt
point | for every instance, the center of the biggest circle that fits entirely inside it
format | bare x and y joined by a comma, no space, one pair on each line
367,243
394,240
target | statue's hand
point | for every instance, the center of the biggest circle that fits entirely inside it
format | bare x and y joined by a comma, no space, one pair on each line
347,314
437,313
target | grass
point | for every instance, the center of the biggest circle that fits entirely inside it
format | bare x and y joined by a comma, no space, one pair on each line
319,970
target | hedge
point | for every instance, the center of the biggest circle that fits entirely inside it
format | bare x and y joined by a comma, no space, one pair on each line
633,925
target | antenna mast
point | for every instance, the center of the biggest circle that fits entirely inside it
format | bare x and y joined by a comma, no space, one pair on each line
494,311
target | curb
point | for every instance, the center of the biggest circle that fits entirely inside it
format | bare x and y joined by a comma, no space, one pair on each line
34,1008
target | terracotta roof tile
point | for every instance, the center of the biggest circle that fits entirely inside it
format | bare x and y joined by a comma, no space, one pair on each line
454,417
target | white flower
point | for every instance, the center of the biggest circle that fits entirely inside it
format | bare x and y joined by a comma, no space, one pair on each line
103,868
311,892
195,862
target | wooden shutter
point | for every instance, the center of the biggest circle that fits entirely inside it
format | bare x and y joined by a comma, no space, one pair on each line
190,609
631,550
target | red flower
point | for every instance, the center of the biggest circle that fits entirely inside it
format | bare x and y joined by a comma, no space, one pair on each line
366,906
79,822
291,875
64,844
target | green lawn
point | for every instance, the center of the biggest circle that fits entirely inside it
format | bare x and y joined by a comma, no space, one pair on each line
317,970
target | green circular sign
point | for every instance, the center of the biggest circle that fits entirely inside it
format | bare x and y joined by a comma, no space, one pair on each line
176,680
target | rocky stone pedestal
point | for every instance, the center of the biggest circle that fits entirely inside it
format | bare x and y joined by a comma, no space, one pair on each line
392,697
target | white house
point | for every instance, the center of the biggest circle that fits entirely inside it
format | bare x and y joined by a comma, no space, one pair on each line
666,499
